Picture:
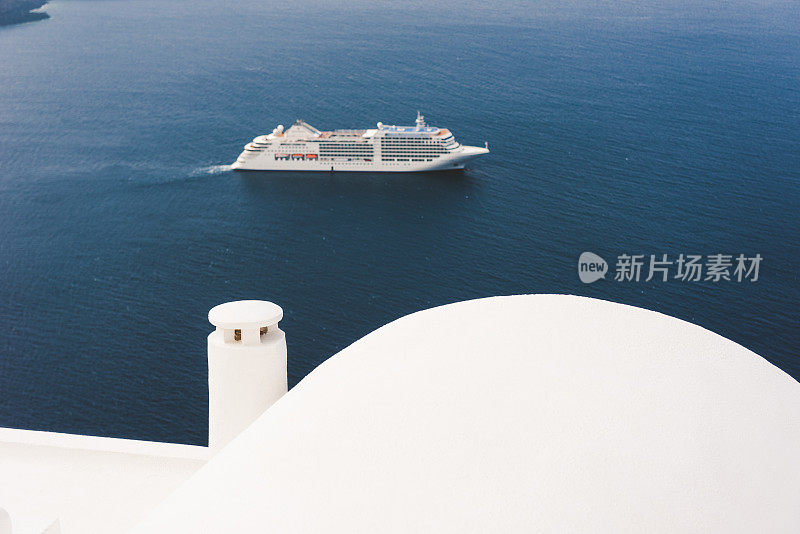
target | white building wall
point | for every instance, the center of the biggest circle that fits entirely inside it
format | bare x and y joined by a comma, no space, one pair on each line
540,413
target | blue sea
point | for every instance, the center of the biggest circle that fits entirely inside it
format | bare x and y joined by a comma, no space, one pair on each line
618,128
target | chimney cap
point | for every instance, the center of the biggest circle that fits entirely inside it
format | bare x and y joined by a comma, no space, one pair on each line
245,314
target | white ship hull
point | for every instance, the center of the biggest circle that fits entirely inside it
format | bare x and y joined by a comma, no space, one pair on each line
302,147
454,161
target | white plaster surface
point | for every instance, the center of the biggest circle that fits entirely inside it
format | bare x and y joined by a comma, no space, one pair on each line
537,413
86,484
243,381
245,313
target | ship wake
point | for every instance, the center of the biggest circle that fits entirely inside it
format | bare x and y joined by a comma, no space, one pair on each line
212,169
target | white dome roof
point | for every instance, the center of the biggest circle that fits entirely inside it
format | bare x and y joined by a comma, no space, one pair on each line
515,414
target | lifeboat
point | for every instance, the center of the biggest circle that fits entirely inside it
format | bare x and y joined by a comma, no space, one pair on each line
311,156
298,156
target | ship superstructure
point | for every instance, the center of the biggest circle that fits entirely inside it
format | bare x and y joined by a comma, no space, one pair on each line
385,148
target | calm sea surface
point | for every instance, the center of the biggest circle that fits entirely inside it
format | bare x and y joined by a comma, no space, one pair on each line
649,129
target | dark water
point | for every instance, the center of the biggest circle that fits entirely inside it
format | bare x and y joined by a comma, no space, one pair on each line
614,129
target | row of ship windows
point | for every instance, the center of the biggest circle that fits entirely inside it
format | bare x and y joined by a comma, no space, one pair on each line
296,157
343,159
387,140
386,153
368,147
370,163
313,157
383,145
383,140
416,139
409,141
370,160
363,146
365,155
390,154
399,147
436,150
411,144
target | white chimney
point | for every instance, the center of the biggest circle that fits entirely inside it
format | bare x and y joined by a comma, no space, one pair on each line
246,366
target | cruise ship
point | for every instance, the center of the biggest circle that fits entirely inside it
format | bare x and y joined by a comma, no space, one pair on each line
384,149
